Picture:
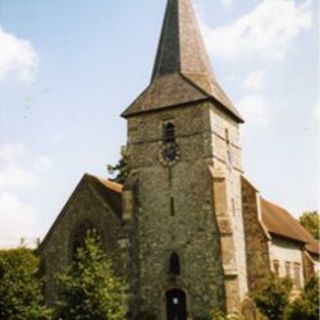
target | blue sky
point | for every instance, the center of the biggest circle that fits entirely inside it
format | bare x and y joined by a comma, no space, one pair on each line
69,68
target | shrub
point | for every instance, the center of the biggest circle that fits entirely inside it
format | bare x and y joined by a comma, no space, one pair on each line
20,289
273,298
88,289
306,307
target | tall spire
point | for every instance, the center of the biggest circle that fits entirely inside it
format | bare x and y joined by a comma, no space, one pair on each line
181,48
182,72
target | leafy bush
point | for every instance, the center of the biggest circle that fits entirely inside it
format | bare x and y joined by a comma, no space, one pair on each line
219,315
306,307
311,221
20,292
273,298
88,289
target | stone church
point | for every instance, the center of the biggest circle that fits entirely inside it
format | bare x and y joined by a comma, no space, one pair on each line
187,230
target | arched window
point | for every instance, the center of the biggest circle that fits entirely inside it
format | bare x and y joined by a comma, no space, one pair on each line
169,133
175,264
172,206
78,239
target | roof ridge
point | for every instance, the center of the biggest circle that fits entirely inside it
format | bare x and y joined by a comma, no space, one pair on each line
117,187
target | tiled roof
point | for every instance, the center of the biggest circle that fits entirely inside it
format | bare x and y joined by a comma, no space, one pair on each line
279,221
166,91
109,191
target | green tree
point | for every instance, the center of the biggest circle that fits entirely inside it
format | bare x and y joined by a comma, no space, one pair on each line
311,220
120,170
273,299
306,307
20,289
88,288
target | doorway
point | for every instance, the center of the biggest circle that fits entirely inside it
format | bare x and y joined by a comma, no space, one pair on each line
176,305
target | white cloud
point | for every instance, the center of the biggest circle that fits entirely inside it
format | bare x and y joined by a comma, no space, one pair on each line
17,56
268,30
255,80
18,220
42,163
21,172
20,169
254,110
12,152
227,3
14,177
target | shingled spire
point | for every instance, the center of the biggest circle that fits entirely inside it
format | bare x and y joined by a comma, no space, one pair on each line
181,48
182,71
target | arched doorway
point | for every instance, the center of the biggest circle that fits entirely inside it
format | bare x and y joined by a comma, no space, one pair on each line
176,305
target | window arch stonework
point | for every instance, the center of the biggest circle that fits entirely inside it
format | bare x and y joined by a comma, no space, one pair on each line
169,133
79,235
174,264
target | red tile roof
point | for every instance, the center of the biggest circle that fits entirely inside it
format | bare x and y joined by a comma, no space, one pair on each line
279,221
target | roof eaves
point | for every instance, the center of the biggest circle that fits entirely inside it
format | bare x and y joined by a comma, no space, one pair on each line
86,178
127,112
216,101
61,214
189,103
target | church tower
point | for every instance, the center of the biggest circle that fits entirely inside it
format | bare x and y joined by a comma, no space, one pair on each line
182,201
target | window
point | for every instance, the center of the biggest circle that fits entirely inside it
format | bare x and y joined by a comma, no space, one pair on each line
288,269
174,264
169,133
80,235
297,279
276,267
172,208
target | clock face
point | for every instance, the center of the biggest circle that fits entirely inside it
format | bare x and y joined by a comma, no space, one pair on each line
169,154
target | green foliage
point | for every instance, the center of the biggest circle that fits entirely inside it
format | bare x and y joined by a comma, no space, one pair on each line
273,298
219,315
88,289
20,292
121,168
306,307
311,221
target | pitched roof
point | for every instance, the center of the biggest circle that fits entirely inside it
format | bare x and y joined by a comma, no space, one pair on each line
279,221
182,67
166,91
109,192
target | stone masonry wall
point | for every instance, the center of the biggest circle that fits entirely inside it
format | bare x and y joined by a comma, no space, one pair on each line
227,154
56,252
257,242
192,230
